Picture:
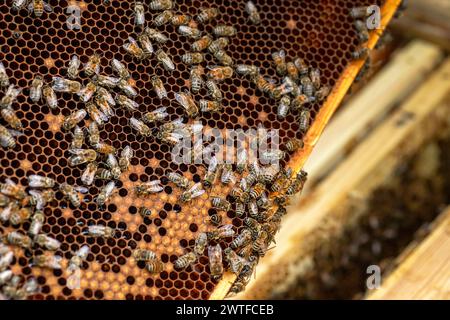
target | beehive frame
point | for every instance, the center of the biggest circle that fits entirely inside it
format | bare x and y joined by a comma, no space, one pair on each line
34,45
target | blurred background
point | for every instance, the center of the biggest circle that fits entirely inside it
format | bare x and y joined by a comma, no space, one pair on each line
375,207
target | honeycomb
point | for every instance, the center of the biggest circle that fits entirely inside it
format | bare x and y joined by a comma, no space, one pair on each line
321,32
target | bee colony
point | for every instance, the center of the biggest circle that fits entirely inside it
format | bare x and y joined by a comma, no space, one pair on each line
95,96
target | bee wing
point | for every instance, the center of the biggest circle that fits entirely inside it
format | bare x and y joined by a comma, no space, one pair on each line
82,190
30,6
135,123
47,7
132,41
127,152
15,133
111,161
182,99
215,254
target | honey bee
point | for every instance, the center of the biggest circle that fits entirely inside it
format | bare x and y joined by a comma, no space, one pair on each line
239,194
4,200
186,100
95,114
6,213
272,156
5,275
125,158
13,190
314,75
71,193
260,245
247,70
106,193
100,231
284,106
240,209
227,174
120,69
219,73
178,180
18,4
50,97
297,185
252,11
215,261
180,19
223,58
37,181
17,239
163,18
214,90
359,12
9,115
38,7
294,144
241,162
140,127
92,66
127,88
322,93
235,262
156,35
192,58
36,89
94,134
242,239
78,257
144,255
360,53
196,79
74,67
63,85
158,87
285,88
304,120
9,97
363,33
193,192
225,231
224,31
88,175
221,204
4,79
113,165
170,138
211,173
39,199
127,103
48,261
210,106
253,226
165,60
146,45
105,81
47,242
279,58
300,100
104,94
201,44
200,243
148,188
145,212
158,5
189,32
292,71
185,260
104,106
263,84
87,92
154,266
301,66
139,14
206,15
103,174
132,48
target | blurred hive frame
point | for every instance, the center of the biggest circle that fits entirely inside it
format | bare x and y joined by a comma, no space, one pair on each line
321,32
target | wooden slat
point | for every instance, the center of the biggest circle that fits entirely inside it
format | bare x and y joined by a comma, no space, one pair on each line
425,273
328,207
392,84
329,107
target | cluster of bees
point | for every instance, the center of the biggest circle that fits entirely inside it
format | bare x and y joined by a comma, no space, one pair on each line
20,206
359,14
259,193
